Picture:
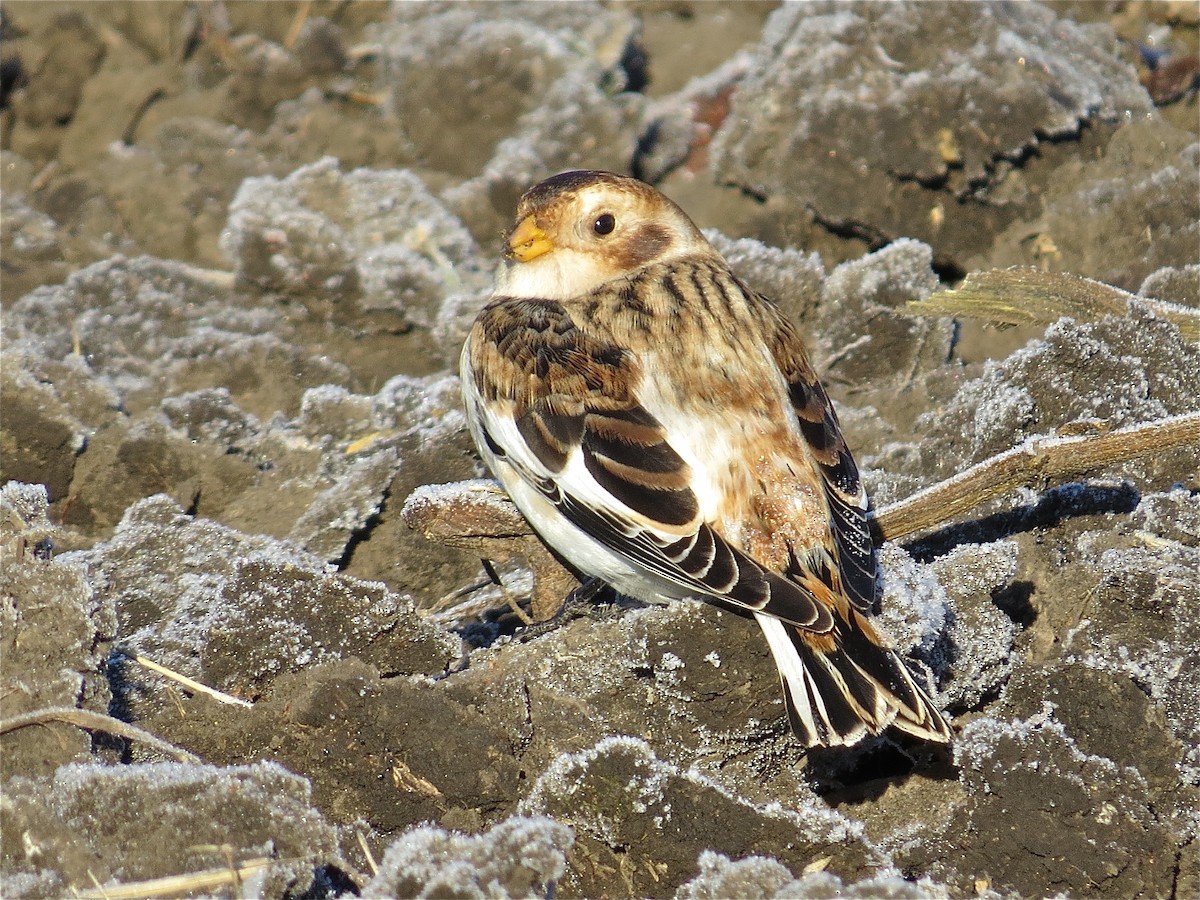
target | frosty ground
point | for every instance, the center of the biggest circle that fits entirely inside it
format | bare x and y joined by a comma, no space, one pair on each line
241,248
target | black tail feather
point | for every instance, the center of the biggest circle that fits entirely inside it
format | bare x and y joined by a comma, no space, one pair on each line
837,697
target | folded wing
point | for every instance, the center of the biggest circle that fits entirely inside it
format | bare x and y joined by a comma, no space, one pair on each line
854,550
563,414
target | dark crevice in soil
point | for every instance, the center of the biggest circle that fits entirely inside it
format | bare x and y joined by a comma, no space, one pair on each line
948,270
363,533
1014,602
136,119
857,777
850,230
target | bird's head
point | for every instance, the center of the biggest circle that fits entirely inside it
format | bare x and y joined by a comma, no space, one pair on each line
579,230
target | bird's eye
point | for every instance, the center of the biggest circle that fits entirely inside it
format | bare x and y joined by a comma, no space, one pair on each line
604,224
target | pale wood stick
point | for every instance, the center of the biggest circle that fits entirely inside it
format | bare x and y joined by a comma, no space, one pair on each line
169,885
1037,461
366,849
293,32
94,721
190,683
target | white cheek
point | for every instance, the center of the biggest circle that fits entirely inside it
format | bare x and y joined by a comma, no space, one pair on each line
558,275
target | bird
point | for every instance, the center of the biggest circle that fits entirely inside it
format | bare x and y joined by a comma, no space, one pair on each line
660,426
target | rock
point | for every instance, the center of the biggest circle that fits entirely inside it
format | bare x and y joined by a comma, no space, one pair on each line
518,857
55,634
190,589
624,800
90,824
959,110
1146,165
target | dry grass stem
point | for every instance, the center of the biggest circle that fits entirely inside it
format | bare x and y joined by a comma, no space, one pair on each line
1023,296
512,602
293,32
366,849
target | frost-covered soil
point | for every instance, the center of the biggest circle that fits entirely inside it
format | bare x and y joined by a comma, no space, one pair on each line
238,261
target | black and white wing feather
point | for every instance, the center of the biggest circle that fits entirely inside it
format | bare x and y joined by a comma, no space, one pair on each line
556,409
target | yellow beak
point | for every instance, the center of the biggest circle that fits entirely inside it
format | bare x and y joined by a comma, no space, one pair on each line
527,241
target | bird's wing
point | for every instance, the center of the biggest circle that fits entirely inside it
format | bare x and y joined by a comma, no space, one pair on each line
558,406
854,553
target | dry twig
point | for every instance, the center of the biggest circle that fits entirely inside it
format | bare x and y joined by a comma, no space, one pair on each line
366,849
189,683
1039,461
206,880
94,721
293,32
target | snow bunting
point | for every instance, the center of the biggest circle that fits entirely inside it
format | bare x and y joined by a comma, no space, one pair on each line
660,426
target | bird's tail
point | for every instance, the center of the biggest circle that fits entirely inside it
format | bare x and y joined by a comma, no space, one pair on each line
843,685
